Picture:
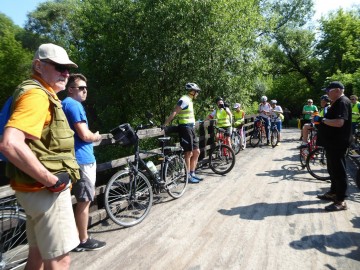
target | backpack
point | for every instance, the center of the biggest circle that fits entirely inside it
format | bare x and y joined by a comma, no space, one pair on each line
5,114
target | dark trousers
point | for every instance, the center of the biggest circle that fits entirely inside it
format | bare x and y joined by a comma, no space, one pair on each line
336,166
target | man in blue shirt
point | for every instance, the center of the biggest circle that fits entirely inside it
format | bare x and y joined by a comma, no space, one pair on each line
84,189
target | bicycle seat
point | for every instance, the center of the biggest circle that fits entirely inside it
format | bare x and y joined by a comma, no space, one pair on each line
164,139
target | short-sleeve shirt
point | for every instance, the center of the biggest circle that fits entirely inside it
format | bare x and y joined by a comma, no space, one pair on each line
337,137
75,113
275,113
309,108
32,111
264,107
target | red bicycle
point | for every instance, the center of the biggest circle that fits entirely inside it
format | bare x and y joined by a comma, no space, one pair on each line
222,156
304,151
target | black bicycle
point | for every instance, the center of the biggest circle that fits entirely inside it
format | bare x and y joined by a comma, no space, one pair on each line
316,164
274,132
13,243
129,192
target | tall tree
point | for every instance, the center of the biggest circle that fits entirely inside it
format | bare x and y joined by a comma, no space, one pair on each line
15,61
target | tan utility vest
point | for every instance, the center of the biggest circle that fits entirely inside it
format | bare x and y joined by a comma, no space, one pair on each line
55,148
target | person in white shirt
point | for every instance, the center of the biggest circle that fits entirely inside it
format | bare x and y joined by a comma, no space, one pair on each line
276,116
265,110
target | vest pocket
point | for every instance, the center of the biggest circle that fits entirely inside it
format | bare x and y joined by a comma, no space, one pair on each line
61,139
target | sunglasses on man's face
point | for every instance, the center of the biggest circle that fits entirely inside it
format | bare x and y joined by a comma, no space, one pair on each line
57,67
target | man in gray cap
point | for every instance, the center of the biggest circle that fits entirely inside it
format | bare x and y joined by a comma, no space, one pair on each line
334,133
39,146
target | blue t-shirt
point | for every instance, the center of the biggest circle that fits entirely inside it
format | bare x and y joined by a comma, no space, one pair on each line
75,113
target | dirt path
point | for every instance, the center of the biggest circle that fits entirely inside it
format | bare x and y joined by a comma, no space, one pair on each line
262,215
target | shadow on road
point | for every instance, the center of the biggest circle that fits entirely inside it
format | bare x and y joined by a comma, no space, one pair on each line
337,244
260,211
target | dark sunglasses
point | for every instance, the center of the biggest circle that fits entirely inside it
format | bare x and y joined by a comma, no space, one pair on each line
58,67
81,88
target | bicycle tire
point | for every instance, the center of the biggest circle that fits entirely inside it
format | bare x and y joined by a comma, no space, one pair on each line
221,159
176,176
316,164
304,152
125,203
357,179
274,137
255,138
236,142
13,243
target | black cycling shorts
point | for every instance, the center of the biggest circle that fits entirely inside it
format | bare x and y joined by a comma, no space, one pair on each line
188,139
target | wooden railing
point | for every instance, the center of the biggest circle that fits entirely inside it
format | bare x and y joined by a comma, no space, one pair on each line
204,131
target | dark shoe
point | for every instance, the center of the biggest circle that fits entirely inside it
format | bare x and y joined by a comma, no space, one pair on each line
336,206
328,196
193,180
90,244
267,143
197,178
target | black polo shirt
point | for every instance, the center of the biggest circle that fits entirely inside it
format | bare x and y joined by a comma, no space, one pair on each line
337,137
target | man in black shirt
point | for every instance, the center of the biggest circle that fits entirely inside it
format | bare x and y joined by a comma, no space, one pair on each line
335,135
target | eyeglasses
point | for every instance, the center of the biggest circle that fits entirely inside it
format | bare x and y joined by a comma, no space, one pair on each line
81,88
58,67
352,99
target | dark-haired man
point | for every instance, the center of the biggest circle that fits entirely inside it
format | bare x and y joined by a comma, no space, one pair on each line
84,189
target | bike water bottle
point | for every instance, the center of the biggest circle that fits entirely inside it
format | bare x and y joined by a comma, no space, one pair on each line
151,166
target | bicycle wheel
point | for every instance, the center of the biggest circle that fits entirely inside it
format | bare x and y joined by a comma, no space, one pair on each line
357,180
255,137
316,164
176,176
274,137
304,152
236,142
13,243
221,159
127,199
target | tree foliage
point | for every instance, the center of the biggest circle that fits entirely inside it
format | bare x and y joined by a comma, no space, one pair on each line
14,59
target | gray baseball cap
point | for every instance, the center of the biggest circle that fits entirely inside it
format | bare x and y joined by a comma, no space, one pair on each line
55,54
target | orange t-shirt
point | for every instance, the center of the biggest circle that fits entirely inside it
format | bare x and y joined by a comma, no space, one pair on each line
31,114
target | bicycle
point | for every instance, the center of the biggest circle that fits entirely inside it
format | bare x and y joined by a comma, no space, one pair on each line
304,151
274,132
238,139
129,192
316,164
259,133
13,242
222,156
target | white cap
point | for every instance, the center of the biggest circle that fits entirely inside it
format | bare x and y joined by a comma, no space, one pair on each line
55,54
237,105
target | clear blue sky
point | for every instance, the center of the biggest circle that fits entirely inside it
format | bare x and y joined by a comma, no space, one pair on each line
18,9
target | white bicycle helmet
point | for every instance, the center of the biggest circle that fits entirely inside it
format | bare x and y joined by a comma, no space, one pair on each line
273,101
237,105
263,98
192,86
